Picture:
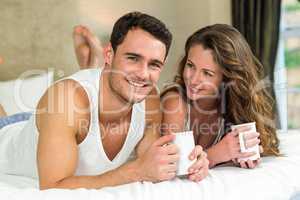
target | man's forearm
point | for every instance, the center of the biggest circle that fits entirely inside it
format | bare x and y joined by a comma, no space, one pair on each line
126,173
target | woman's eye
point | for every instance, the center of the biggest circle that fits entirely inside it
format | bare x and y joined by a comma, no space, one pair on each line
208,74
189,65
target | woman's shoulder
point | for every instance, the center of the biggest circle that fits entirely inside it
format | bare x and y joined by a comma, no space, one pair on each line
173,99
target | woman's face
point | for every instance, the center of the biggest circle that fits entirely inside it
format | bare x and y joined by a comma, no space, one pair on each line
202,76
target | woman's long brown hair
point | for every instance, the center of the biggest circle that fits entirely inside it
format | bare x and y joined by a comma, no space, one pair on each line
247,97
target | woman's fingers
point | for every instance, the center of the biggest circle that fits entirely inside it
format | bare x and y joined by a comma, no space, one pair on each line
243,164
246,154
252,142
250,164
251,135
261,149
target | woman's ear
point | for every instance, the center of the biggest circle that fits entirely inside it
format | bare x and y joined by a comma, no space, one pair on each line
108,54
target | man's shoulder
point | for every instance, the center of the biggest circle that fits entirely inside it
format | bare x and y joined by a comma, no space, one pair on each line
65,100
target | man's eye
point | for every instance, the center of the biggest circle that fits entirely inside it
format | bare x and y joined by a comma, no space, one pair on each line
132,58
155,66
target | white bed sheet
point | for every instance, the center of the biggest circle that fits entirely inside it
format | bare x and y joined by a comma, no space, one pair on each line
274,179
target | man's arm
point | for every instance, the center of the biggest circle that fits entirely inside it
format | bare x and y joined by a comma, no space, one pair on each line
57,154
153,121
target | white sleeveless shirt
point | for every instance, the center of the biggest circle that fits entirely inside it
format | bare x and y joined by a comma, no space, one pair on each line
92,159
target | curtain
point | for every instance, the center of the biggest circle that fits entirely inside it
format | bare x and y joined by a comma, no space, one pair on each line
259,22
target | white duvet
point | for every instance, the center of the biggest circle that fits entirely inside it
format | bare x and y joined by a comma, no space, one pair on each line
274,179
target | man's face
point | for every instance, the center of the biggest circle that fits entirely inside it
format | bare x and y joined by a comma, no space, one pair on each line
136,65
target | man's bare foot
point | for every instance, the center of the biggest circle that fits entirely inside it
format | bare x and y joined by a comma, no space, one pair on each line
88,48
2,111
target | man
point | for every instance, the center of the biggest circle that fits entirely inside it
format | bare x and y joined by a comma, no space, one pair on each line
89,123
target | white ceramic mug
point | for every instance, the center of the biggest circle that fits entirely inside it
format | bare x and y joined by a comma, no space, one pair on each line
185,142
252,128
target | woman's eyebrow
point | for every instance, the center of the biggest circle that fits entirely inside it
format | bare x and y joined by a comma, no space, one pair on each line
203,68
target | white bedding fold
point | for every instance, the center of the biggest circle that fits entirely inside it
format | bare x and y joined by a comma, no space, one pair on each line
275,178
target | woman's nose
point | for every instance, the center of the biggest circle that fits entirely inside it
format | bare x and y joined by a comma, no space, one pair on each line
196,78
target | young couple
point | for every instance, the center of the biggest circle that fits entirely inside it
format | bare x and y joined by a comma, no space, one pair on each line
87,126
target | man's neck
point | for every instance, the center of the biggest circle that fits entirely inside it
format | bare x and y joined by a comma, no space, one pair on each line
112,107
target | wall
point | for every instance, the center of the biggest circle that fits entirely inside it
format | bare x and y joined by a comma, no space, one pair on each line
38,34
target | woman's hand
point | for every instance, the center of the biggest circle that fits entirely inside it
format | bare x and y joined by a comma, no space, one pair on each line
249,164
229,148
199,170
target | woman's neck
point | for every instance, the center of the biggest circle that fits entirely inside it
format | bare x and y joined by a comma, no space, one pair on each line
205,106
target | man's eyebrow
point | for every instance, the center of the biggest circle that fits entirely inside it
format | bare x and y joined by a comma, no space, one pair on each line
140,56
133,54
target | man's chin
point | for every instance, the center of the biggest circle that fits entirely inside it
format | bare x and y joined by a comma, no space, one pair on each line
137,98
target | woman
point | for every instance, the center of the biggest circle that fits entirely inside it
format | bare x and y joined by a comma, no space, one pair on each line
218,85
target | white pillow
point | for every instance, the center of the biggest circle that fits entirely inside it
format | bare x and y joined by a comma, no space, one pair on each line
23,94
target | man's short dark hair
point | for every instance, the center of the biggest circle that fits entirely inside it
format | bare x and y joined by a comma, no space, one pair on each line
143,21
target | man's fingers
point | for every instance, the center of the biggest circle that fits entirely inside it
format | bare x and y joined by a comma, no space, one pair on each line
171,149
196,166
172,167
164,140
173,158
199,175
197,151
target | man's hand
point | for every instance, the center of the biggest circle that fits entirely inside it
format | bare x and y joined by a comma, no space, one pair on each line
159,162
199,170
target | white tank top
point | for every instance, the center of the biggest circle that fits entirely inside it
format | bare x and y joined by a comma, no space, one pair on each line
92,159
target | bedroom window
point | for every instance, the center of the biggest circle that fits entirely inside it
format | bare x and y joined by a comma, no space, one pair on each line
290,48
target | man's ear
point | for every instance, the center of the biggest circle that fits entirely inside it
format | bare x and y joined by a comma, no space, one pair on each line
108,54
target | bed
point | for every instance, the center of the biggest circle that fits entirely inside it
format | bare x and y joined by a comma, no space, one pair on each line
275,179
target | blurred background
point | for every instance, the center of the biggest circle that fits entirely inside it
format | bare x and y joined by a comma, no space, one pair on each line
38,34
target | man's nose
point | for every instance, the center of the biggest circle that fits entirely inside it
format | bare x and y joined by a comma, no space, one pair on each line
143,73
